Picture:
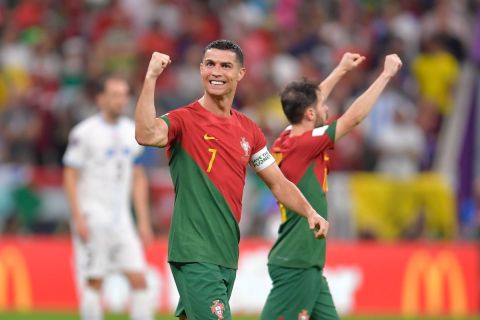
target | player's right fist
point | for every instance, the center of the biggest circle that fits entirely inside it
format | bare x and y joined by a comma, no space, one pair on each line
392,65
158,63
350,61
318,225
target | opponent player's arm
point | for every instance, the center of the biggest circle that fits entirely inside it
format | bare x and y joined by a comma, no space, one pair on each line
290,196
364,103
349,62
141,204
70,178
150,130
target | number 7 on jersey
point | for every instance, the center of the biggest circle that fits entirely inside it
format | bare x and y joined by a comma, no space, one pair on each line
212,159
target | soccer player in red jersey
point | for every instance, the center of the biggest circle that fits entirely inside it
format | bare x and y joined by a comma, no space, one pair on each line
209,146
296,261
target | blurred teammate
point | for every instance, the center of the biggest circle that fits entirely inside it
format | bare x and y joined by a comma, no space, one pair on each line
296,261
100,175
210,145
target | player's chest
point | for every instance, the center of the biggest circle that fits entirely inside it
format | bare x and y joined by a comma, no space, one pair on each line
110,145
231,144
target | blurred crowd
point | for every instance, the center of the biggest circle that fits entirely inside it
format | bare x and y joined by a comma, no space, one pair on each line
52,51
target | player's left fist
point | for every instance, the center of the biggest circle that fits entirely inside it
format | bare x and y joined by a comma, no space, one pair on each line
350,61
392,65
318,225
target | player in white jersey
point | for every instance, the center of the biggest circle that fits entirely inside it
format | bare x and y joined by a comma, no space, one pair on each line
101,175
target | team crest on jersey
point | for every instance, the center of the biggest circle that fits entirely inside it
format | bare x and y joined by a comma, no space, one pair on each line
303,315
217,309
245,146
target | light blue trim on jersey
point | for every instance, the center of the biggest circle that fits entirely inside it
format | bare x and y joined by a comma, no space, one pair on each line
140,159
70,163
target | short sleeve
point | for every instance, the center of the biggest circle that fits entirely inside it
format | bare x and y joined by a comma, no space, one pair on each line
259,141
76,149
261,157
322,139
139,155
174,124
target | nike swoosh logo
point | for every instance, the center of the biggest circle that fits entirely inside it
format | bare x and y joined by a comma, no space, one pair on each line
207,137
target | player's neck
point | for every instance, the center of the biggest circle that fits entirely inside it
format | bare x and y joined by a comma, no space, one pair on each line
108,118
220,106
300,128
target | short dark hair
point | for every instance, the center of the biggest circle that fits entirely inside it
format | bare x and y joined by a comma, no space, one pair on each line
100,84
222,44
297,97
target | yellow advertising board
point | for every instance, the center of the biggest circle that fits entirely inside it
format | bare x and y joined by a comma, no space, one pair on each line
441,278
13,270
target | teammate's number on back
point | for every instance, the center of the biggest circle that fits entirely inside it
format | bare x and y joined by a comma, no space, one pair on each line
278,156
283,212
212,158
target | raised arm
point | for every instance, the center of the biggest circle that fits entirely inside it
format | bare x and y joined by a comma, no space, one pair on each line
364,103
349,62
150,130
290,196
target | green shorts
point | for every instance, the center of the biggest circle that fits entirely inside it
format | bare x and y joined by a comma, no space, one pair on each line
204,289
298,294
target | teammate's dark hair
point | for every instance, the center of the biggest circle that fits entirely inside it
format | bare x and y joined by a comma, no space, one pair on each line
297,97
222,44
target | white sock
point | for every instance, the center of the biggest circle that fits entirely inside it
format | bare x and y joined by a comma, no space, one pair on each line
141,308
90,306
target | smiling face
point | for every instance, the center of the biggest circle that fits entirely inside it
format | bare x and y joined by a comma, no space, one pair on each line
221,72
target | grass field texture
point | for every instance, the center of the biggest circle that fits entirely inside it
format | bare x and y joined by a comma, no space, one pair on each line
71,316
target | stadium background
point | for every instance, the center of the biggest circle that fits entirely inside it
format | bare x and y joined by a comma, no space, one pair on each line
404,189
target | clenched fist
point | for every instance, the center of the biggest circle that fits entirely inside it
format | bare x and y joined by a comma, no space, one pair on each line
392,65
158,63
350,61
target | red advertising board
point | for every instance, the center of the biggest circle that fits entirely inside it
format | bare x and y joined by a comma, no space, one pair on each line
365,278
419,278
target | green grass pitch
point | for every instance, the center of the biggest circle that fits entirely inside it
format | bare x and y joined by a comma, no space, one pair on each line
72,316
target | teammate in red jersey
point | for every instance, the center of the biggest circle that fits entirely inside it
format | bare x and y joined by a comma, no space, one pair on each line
296,261
209,145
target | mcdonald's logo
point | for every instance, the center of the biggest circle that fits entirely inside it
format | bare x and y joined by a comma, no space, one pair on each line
440,277
13,266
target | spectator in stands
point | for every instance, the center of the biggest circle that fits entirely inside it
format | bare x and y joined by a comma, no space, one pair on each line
400,145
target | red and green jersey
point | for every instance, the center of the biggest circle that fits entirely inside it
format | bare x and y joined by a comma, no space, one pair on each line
303,160
208,155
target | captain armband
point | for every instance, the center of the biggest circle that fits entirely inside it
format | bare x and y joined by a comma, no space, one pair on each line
261,160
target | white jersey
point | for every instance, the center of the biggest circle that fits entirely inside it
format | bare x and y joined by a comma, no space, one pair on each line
104,154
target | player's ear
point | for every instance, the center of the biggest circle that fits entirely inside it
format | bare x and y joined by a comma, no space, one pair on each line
309,114
241,73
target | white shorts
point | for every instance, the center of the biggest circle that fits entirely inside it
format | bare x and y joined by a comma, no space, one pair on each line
109,248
